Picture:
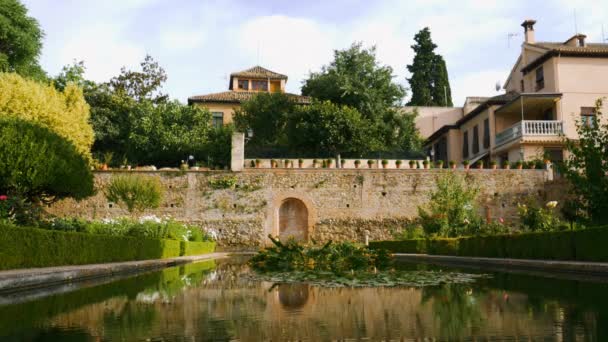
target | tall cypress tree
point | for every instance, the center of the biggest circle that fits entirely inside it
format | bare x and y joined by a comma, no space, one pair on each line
442,94
421,69
429,82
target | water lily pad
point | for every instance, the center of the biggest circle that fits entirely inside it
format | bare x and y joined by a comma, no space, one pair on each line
368,279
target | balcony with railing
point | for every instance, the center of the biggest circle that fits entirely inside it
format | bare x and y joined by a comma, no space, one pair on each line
529,128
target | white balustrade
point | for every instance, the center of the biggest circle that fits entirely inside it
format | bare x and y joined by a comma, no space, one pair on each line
529,127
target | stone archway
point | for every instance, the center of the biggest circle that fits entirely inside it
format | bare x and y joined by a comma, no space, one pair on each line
293,220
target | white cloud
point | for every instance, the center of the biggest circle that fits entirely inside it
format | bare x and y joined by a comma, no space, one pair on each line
288,45
103,49
481,83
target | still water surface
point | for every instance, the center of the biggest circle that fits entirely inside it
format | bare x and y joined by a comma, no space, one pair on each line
213,301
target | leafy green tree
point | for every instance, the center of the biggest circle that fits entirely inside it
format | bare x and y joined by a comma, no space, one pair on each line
141,85
324,127
136,192
39,164
66,112
217,151
20,40
266,115
452,210
355,79
442,93
587,166
163,134
429,82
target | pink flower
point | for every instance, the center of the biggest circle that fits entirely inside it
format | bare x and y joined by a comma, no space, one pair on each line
3,197
501,220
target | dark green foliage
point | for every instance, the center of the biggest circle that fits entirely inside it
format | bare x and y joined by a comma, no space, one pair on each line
30,247
581,245
334,257
324,127
355,79
441,92
266,114
137,193
429,81
20,40
167,132
38,165
137,123
587,166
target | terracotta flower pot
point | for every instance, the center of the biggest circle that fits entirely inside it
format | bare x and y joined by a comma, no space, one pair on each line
384,166
466,167
519,167
494,167
398,166
506,167
453,167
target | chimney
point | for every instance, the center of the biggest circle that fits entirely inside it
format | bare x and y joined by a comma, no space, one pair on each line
528,26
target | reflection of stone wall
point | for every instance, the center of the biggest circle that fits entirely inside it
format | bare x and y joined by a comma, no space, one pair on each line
242,208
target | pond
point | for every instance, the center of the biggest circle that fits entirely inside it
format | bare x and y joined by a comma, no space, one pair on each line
218,301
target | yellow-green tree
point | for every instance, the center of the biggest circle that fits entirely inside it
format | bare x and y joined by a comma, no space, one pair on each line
64,112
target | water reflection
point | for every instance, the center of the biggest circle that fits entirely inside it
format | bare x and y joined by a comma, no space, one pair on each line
208,301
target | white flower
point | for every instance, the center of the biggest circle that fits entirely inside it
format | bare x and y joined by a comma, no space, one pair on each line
466,221
152,218
551,204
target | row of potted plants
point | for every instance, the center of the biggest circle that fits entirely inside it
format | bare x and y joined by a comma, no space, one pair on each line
327,163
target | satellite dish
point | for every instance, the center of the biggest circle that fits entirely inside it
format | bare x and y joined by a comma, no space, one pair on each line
498,86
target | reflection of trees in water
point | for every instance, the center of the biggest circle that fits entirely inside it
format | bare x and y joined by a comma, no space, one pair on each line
455,309
216,304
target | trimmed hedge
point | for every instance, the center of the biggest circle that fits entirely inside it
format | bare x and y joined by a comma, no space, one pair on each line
188,248
31,247
581,245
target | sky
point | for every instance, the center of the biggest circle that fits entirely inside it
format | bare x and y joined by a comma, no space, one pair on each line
200,42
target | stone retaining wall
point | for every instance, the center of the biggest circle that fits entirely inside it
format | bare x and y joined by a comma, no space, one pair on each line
242,208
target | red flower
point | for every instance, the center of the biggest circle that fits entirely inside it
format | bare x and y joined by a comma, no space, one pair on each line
3,197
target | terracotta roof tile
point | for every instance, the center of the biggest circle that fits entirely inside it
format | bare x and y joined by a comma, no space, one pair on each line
554,49
258,71
239,97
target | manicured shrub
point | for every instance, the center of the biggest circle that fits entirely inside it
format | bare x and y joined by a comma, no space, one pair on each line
581,245
135,192
37,164
590,244
444,246
31,247
188,248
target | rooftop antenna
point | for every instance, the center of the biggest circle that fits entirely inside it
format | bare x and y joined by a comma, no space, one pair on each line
509,36
575,23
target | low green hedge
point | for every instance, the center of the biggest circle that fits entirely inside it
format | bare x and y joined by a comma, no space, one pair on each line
582,245
195,248
31,247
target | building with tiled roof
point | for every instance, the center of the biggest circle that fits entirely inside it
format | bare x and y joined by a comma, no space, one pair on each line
243,86
551,86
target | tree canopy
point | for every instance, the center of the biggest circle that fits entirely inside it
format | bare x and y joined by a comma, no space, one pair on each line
39,164
133,120
429,81
65,112
587,166
356,79
266,115
20,40
325,127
